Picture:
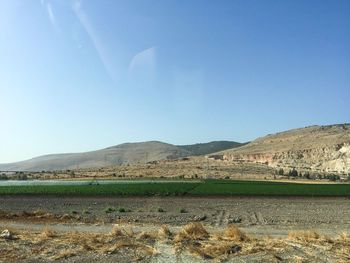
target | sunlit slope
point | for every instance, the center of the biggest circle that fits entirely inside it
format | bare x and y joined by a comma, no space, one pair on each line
210,147
127,153
315,148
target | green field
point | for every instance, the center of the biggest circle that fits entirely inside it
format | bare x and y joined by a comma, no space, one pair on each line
270,188
208,187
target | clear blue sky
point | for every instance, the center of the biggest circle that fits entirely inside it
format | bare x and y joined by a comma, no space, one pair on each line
84,75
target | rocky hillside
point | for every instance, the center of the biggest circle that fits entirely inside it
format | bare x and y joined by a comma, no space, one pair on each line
127,153
314,148
210,147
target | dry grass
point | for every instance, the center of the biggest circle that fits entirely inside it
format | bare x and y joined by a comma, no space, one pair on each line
64,254
231,242
193,237
148,235
141,250
117,232
192,231
343,236
339,246
234,233
12,254
59,245
299,259
48,233
173,168
218,251
165,232
307,236
39,216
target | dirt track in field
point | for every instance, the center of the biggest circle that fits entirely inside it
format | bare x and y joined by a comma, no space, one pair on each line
261,213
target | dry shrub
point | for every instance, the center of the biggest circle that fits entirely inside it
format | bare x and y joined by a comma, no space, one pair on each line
66,217
43,250
198,251
276,258
148,235
324,238
6,215
130,233
12,254
192,231
234,233
93,241
117,232
64,254
36,250
36,213
307,236
341,247
165,231
304,235
343,236
48,233
298,259
144,249
36,216
218,251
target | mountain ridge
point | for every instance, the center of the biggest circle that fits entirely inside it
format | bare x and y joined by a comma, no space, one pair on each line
125,153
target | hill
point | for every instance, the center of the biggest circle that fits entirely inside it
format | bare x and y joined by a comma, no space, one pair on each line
127,153
210,147
314,148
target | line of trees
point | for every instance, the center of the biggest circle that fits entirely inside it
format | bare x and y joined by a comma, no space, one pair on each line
294,173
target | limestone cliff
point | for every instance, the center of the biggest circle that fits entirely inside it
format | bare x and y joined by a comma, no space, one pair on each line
315,148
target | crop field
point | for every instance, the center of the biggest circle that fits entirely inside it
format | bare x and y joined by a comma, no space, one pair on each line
206,187
222,187
108,189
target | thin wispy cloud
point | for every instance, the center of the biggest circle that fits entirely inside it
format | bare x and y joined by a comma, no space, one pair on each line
143,60
51,15
84,20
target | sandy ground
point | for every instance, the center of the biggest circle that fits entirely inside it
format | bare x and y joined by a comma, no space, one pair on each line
255,216
266,215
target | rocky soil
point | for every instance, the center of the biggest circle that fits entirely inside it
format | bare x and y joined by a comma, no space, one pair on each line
257,217
315,148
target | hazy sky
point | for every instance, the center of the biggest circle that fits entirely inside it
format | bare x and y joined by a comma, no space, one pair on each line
83,75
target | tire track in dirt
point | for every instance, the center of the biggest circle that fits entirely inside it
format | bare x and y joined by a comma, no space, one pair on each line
257,218
221,218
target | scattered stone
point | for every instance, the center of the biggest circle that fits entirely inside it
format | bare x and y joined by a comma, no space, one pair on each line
200,218
234,249
235,220
6,234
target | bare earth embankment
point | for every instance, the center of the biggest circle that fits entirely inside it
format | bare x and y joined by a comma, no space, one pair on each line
147,235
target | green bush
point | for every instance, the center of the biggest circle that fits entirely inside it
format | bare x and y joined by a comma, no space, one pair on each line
182,210
109,209
121,209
